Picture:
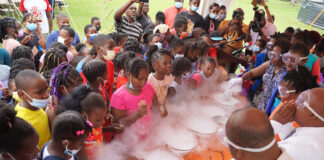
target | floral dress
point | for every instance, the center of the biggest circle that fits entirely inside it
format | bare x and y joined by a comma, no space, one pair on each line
270,81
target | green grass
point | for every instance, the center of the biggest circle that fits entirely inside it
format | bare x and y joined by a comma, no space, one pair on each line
82,11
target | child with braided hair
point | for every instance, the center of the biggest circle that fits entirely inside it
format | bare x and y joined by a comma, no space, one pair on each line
63,79
52,59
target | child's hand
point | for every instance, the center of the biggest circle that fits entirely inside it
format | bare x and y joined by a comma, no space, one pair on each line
163,111
118,128
142,108
285,113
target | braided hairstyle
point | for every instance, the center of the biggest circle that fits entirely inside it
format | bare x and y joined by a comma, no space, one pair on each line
135,65
52,59
94,69
132,45
21,52
4,25
19,65
190,45
13,130
121,59
58,45
301,79
64,75
153,53
180,65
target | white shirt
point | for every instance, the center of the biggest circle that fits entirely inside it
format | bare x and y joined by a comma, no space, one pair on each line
39,9
268,30
306,144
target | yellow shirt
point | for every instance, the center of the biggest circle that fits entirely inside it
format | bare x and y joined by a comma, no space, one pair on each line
232,34
38,119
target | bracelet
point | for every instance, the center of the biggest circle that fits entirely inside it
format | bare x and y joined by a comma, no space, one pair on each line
255,8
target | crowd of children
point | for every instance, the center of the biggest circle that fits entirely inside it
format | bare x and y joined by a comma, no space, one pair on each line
62,99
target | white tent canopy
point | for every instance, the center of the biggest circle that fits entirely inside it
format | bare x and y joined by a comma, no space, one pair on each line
204,5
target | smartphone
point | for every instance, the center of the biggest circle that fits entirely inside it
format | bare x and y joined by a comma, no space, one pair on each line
145,1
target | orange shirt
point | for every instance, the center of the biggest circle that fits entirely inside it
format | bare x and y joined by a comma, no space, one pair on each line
171,13
93,143
121,80
231,34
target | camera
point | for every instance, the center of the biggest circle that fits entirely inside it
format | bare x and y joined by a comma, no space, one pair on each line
259,15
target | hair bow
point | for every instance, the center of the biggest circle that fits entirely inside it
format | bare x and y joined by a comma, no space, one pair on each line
80,132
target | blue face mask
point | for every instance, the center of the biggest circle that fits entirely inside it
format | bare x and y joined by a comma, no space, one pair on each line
71,152
38,103
203,75
212,16
131,85
194,8
92,37
255,48
159,45
178,5
31,26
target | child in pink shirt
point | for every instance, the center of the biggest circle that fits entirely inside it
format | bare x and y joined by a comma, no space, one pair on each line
208,66
133,102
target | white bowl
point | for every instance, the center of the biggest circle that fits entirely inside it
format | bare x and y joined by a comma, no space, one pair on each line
161,154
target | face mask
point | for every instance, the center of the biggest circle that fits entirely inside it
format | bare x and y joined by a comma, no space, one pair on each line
255,48
64,26
71,152
98,28
222,17
61,40
92,37
131,85
217,17
11,156
178,5
159,45
66,91
194,8
104,81
178,56
31,26
110,55
203,75
38,103
212,16
16,97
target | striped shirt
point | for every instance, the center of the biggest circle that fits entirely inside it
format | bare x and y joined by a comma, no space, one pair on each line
133,30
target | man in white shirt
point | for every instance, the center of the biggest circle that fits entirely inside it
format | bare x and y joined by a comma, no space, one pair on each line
42,11
250,136
307,141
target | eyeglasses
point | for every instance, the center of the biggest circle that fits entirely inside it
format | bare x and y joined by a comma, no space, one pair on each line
303,101
292,58
274,55
284,92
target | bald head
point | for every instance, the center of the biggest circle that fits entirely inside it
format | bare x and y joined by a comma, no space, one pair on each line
25,78
249,127
316,100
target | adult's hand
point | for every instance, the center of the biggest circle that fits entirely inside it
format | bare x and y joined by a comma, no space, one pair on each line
38,29
254,3
285,113
263,3
247,76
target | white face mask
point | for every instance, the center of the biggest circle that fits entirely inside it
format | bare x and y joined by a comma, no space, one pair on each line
60,39
178,56
110,55
38,103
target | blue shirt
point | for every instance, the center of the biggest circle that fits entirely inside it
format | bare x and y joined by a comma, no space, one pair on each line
52,37
4,57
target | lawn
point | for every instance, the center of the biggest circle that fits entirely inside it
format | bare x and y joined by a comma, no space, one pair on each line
81,12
